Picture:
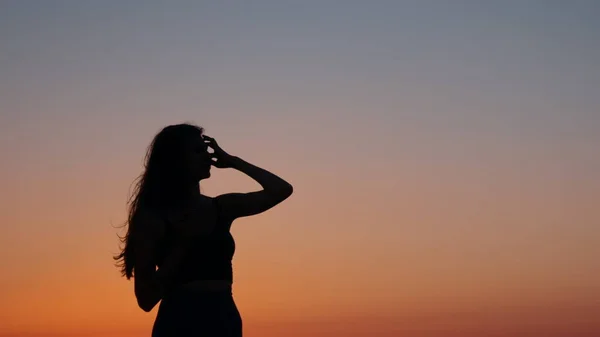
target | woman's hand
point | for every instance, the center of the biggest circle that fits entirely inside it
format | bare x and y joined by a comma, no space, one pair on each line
220,158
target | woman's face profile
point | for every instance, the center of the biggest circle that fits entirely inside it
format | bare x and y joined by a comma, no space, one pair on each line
197,158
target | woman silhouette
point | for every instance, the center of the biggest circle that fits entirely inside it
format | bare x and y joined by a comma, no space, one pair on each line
178,246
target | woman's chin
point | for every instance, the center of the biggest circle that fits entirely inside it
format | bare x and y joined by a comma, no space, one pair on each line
205,175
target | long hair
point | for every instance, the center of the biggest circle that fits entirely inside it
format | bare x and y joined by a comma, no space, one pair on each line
160,188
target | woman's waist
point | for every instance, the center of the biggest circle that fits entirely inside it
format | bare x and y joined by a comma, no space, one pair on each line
197,295
207,285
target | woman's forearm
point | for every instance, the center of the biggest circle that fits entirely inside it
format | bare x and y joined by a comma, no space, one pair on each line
165,275
269,181
161,280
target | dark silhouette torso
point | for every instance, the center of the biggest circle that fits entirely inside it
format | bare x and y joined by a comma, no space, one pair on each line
210,256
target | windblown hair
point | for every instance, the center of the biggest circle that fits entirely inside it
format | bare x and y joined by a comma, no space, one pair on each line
160,187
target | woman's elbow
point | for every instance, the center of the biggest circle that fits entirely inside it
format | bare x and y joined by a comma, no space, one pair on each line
145,298
147,308
145,304
287,190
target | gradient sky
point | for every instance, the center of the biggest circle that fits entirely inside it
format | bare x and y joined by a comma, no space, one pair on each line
444,156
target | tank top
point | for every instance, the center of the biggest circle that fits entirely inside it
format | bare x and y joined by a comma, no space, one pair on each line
210,257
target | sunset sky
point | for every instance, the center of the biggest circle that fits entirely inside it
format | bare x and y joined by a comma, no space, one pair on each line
444,155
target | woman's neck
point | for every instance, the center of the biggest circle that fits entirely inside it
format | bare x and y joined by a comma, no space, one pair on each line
192,193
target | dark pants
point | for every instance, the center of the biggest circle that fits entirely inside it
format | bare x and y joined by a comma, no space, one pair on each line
198,314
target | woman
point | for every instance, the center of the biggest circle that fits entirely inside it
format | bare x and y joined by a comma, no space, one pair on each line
178,246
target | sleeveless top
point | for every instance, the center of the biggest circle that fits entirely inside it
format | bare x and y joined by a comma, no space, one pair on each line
209,258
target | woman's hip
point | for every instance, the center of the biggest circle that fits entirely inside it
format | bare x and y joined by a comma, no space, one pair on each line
198,313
